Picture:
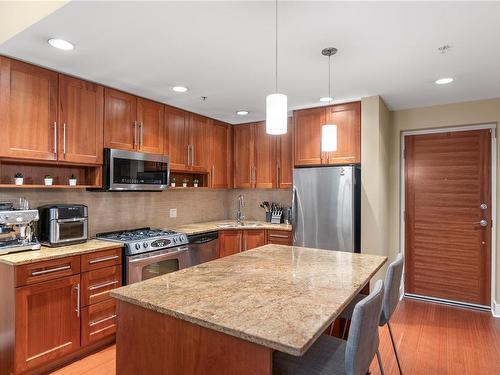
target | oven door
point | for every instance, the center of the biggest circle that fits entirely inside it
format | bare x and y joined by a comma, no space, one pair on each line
146,266
68,230
127,170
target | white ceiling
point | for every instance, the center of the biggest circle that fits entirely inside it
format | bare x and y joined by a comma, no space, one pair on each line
225,51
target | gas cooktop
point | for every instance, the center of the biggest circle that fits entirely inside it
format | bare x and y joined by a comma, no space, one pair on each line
142,240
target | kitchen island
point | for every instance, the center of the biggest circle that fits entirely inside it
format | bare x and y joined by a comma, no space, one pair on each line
229,315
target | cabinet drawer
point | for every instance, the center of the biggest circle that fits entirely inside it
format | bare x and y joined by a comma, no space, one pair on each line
98,321
96,284
37,272
280,237
101,259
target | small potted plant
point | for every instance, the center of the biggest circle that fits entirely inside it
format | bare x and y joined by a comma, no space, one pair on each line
72,180
18,178
195,182
172,182
48,180
185,182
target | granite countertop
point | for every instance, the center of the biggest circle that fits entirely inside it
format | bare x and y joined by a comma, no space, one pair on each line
211,226
281,297
46,253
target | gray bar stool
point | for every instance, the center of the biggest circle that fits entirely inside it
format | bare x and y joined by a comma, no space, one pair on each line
333,356
390,302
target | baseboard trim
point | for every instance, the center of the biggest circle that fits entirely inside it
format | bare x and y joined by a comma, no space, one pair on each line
447,302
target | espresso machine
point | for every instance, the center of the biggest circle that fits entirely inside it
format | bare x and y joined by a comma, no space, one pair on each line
16,227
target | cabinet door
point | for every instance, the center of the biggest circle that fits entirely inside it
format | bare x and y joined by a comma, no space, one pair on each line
177,126
230,242
98,321
47,321
243,156
285,158
347,117
151,118
266,161
81,106
307,136
200,141
220,155
253,238
28,111
120,120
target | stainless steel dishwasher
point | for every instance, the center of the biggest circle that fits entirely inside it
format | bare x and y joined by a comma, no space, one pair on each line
203,247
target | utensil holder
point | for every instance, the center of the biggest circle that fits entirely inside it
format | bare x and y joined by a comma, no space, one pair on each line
269,215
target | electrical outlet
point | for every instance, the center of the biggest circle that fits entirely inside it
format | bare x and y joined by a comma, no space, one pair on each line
173,212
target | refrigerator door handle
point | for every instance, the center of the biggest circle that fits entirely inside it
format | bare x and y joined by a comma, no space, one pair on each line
294,214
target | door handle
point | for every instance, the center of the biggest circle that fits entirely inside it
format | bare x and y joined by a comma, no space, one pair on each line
192,155
55,139
483,223
77,309
64,140
140,135
135,133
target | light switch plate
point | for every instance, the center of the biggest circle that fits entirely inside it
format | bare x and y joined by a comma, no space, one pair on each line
173,212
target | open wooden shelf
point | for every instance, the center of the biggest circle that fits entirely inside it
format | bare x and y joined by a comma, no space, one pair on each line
203,179
33,186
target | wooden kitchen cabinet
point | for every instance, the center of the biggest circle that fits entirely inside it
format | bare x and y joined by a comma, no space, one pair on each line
307,135
221,155
132,123
285,158
279,237
28,111
151,126
98,321
253,238
177,128
81,106
243,136
47,322
230,242
199,142
266,161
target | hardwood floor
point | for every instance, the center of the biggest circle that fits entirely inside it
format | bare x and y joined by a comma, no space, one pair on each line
431,339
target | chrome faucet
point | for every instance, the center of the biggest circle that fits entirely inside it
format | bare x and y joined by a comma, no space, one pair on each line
241,204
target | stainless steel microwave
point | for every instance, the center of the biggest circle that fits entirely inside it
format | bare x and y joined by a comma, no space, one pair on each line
128,170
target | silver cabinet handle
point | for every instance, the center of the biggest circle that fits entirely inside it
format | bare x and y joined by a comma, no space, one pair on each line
140,134
55,139
277,175
77,309
135,134
103,285
95,322
50,270
278,236
64,140
213,175
483,223
104,259
189,155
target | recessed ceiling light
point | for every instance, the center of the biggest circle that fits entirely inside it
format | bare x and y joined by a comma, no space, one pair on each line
179,88
242,113
61,44
443,81
325,99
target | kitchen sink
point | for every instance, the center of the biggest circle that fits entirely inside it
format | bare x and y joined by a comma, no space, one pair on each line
240,225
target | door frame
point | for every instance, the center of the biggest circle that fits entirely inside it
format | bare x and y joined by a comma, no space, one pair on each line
402,193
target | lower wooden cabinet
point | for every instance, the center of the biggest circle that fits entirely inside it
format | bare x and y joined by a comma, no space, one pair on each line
52,310
47,322
279,237
235,241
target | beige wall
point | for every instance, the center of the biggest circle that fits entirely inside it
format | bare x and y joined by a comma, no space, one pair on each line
15,16
375,151
122,210
458,114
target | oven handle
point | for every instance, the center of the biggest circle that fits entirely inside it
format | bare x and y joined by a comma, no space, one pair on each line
169,254
73,220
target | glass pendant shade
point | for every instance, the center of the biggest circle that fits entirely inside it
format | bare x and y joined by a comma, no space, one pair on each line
329,138
276,114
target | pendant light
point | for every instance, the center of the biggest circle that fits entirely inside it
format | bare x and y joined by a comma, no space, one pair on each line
329,131
276,104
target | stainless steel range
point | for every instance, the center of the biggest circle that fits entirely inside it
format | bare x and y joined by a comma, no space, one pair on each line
150,252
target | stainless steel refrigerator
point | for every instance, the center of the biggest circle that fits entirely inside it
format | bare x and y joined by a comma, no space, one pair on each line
326,212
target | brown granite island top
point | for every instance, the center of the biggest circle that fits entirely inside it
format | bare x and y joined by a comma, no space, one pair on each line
280,297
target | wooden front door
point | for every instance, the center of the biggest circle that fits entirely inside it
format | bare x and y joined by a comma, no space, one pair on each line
448,215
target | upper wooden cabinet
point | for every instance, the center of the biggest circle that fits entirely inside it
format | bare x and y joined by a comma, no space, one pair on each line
151,123
199,142
81,119
28,111
132,123
177,129
221,155
307,134
261,160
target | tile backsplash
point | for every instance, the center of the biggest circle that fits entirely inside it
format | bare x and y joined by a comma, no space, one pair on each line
123,210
